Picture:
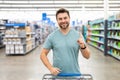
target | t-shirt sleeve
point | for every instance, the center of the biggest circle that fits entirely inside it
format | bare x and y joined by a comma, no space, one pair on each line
48,43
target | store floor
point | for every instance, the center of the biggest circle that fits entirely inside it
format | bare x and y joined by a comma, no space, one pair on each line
29,66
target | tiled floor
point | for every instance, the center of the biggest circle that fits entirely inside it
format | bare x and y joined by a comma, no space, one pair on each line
29,66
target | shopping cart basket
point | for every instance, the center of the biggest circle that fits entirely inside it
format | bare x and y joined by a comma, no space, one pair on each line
70,76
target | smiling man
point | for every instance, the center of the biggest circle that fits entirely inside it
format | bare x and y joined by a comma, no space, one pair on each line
66,44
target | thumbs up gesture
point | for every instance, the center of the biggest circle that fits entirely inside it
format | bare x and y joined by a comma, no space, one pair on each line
81,42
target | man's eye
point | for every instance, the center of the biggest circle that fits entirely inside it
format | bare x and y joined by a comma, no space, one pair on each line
60,18
65,18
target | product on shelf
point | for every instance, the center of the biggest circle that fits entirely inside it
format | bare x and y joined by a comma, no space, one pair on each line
19,39
114,37
97,34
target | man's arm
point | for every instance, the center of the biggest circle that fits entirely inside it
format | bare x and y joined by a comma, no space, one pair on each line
85,52
83,47
43,57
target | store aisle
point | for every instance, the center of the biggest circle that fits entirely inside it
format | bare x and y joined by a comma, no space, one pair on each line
29,66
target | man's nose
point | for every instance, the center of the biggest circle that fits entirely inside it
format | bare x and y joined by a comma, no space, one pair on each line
63,20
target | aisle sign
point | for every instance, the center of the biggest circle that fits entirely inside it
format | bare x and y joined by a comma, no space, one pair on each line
44,16
15,24
48,20
73,23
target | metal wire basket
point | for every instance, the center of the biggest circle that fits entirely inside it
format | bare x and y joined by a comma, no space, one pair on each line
64,76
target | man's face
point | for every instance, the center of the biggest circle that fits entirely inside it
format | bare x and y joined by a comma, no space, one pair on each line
63,20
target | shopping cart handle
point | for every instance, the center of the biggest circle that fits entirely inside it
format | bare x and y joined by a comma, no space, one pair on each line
69,74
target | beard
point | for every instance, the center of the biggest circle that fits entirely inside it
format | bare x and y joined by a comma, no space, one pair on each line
64,25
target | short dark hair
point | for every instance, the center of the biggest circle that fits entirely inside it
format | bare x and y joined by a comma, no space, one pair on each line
62,10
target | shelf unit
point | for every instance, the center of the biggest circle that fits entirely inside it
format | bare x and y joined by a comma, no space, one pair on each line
2,28
2,31
114,37
97,34
43,31
105,36
19,39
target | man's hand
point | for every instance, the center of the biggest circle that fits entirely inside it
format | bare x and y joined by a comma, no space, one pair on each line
55,70
81,42
84,50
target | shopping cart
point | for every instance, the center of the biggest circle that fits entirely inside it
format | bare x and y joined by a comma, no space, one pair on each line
70,76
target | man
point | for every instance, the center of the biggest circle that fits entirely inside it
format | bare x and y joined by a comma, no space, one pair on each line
65,43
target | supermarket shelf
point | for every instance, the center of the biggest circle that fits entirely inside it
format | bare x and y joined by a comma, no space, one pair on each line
96,47
97,41
96,28
115,47
22,53
114,56
19,40
99,35
14,37
2,32
114,28
98,21
117,38
114,37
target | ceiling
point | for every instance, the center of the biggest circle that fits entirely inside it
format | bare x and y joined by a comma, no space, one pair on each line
51,5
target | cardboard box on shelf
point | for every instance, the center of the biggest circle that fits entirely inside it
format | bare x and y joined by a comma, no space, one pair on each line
22,49
5,41
18,41
29,36
17,51
7,49
9,41
14,41
28,29
12,49
22,33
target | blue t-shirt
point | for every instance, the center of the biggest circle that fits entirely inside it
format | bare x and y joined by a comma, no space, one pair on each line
65,50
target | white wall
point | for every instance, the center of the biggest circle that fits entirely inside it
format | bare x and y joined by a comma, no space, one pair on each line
33,16
20,16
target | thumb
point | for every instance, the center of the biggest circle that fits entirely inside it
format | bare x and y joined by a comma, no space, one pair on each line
79,40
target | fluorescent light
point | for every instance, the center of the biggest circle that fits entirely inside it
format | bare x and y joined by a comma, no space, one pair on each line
115,5
65,2
42,6
53,1
27,1
15,1
112,2
48,6
84,2
41,2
